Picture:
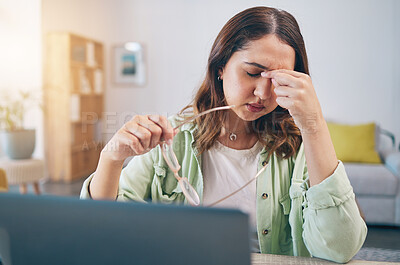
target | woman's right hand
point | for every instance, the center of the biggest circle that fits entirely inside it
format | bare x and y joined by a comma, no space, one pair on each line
138,136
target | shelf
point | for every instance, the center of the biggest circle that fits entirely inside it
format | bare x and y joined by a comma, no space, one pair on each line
81,94
81,122
86,66
74,97
90,94
87,81
86,147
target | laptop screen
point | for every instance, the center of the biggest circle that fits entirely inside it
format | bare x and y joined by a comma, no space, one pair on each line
57,230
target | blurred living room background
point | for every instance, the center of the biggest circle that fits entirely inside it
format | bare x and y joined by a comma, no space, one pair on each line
67,53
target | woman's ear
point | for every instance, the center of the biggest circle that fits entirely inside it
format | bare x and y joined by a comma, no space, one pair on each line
220,72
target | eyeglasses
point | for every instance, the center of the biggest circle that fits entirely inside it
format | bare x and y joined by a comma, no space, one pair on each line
170,158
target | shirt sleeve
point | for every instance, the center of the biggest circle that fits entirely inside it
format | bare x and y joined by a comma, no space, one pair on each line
85,192
136,178
333,228
134,182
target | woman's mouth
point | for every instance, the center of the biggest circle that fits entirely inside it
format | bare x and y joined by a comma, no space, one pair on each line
255,107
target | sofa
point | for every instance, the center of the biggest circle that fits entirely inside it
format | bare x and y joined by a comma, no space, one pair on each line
376,185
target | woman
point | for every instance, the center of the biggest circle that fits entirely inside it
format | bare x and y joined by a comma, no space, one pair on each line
302,203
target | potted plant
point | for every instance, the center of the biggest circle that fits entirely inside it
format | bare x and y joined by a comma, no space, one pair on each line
16,141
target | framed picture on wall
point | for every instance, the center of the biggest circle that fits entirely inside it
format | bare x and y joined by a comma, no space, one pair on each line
129,65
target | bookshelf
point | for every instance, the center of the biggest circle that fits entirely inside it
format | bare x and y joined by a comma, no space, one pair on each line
73,105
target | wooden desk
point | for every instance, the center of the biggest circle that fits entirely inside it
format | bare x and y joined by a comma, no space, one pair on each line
267,259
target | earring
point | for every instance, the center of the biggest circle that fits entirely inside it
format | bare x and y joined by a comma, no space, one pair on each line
219,78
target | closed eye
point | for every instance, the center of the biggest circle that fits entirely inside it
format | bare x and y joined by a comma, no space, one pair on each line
254,75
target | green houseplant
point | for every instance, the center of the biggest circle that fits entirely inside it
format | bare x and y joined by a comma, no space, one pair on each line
16,141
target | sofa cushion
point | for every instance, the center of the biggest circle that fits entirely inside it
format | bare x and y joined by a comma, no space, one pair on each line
378,210
371,179
354,143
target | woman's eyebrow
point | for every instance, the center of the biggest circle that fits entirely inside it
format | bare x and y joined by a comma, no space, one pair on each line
257,65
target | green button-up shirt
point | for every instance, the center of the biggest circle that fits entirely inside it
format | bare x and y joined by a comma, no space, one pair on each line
292,219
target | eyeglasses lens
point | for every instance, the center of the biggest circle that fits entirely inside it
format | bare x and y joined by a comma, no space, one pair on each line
189,192
170,157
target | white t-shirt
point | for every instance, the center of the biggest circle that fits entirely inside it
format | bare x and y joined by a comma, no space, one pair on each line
226,170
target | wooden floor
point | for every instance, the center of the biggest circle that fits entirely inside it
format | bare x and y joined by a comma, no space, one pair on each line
378,236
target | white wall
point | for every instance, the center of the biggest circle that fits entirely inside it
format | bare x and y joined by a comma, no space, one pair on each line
351,45
21,56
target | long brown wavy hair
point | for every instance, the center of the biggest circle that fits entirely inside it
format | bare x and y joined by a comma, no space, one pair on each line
276,130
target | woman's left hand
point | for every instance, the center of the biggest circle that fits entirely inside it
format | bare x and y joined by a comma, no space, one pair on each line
295,92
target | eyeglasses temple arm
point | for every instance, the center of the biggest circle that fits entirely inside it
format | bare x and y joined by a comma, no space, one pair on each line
236,191
202,113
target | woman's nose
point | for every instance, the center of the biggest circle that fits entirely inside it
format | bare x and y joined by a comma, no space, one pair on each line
264,88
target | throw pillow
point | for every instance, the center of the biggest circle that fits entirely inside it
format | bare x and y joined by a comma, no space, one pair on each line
354,143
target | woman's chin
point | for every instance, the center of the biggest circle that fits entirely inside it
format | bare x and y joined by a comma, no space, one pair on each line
249,116
252,115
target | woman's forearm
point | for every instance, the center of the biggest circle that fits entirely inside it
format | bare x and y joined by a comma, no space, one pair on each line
319,151
104,185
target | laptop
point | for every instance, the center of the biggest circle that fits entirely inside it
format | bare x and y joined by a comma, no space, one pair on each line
60,230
